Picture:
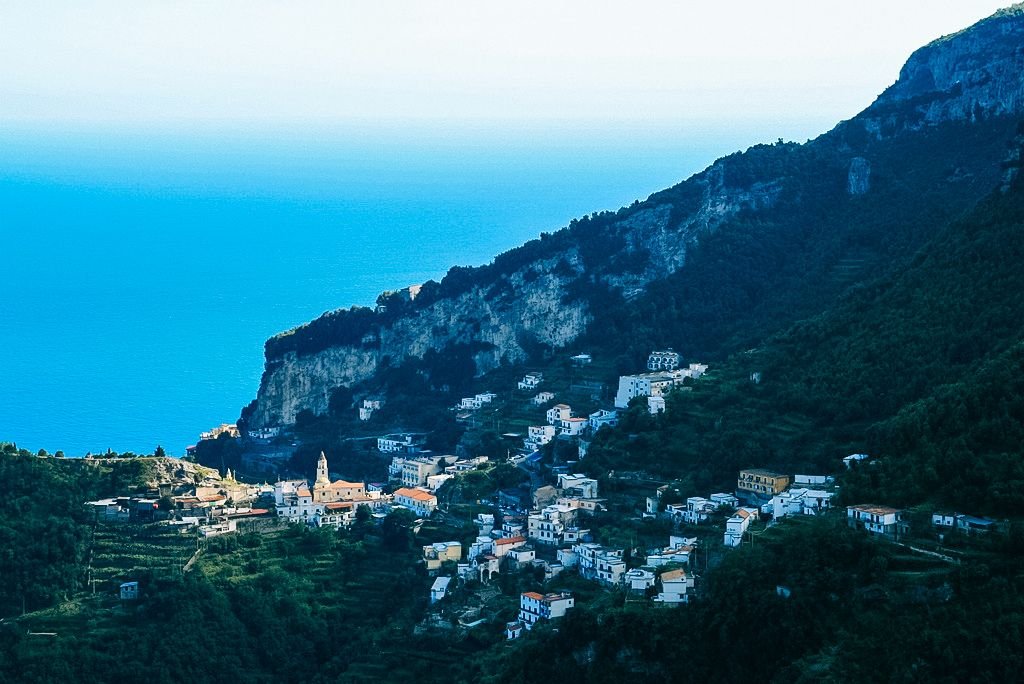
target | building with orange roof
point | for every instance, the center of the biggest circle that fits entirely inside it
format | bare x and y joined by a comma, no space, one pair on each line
534,606
419,501
675,588
883,520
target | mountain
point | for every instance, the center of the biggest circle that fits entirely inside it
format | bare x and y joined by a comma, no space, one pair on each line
716,264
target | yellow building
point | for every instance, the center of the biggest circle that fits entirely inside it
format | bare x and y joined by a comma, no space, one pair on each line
325,491
762,483
436,554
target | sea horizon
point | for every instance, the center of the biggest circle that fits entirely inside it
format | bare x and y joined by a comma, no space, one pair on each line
145,270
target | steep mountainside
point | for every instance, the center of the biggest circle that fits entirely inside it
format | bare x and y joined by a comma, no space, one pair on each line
741,250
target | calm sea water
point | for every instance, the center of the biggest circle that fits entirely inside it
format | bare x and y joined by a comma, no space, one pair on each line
143,272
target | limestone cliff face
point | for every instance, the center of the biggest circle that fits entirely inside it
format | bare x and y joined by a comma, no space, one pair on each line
972,74
536,303
538,294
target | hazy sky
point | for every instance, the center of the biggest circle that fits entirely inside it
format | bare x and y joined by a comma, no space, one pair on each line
255,62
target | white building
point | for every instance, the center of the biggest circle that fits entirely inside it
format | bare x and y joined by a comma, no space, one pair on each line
800,501
531,381
598,419
538,436
534,607
675,587
596,562
439,589
434,482
557,413
676,554
572,426
655,405
413,471
639,580
876,519
647,385
665,360
548,525
542,398
417,500
583,486
848,461
407,443
736,526
368,407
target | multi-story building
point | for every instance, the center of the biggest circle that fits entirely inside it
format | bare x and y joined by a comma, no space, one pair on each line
675,586
538,436
531,381
557,413
405,443
737,525
665,360
882,520
596,562
646,385
598,419
542,398
417,500
534,607
578,485
436,554
572,426
547,526
756,484
416,470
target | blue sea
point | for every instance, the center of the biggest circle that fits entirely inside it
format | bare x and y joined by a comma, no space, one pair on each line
143,270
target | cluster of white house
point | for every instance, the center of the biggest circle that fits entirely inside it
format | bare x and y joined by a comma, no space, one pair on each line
368,406
428,471
476,402
561,421
766,493
655,385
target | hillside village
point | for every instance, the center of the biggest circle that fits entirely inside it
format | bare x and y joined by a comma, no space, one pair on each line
552,528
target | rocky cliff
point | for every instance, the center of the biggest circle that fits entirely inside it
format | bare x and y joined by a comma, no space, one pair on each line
541,295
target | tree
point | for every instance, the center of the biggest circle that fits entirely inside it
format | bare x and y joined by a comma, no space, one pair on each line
159,453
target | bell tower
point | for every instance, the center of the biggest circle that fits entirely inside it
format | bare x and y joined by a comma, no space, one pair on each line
322,476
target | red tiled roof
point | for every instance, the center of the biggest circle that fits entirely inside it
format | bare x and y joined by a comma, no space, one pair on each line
509,540
250,513
417,494
534,595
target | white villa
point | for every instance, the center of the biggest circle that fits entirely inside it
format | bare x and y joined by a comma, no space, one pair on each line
419,501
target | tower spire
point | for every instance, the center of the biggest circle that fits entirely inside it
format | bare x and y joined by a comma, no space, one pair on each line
322,476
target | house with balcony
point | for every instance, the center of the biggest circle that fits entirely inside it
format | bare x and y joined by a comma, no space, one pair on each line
557,413
531,381
663,360
758,486
880,520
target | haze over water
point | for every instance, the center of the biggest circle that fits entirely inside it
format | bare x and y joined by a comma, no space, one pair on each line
143,271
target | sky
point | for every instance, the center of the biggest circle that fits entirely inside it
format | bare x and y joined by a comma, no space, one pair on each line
256,64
